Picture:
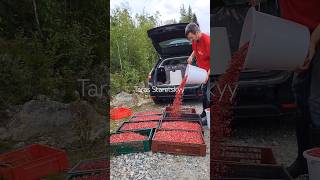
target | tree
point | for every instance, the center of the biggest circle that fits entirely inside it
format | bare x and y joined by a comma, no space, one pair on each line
194,18
187,16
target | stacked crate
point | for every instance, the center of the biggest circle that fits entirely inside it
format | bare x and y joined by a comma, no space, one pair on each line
180,135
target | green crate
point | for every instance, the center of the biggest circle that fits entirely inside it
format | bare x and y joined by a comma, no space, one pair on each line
133,146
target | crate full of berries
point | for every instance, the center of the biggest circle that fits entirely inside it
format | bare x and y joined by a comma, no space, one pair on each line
179,142
131,141
90,169
192,125
139,125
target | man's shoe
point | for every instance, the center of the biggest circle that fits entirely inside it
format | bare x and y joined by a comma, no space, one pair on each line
204,121
298,167
203,114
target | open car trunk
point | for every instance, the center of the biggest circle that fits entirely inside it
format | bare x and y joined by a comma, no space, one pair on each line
171,71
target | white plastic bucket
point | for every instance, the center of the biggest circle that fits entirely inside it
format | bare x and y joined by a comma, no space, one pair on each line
313,165
275,43
208,117
175,77
195,75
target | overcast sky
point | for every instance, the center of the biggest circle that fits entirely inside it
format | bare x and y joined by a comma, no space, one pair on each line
169,9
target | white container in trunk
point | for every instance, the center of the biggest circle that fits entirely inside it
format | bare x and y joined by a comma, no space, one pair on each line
175,77
195,75
275,43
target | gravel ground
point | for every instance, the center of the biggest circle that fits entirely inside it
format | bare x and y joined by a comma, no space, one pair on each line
163,166
277,133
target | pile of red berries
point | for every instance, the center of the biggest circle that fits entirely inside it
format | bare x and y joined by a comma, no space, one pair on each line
183,125
314,152
139,125
126,136
176,136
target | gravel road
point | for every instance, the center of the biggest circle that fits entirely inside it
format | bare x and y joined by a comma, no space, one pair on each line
275,133
163,166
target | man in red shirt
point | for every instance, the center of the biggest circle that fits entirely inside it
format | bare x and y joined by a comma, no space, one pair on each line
201,51
306,82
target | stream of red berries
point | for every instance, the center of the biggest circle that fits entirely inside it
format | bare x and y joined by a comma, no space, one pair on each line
176,105
221,109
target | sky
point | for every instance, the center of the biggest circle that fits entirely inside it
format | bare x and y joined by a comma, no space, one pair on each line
169,9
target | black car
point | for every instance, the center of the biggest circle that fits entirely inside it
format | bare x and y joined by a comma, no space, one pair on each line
173,49
260,93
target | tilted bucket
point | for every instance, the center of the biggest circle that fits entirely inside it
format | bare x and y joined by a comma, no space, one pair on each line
275,43
195,75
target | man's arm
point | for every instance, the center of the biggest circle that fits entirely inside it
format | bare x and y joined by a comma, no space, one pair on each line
190,59
314,43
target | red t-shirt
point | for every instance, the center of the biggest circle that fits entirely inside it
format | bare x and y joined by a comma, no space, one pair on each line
201,49
305,12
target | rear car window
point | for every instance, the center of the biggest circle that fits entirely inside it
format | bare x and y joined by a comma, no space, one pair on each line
174,42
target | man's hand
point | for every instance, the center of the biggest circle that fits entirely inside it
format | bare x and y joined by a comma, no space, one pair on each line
190,59
208,76
306,64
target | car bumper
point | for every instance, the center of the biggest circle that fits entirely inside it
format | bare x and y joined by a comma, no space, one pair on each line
157,92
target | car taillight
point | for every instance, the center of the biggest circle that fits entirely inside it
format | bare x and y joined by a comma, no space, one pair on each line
149,75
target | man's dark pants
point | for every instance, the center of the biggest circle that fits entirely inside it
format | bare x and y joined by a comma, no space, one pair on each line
306,89
206,95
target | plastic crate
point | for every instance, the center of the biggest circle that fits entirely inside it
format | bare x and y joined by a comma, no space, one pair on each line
183,110
75,172
120,113
194,121
241,171
90,175
148,113
133,146
178,148
145,118
32,162
120,129
246,154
